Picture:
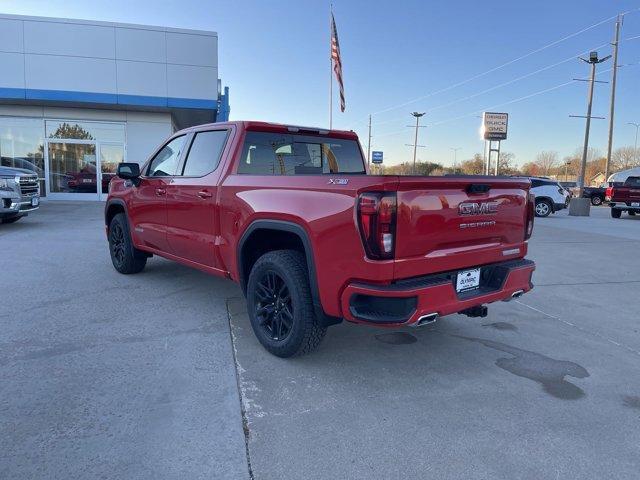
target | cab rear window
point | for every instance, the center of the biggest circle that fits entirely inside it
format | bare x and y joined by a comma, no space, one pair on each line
291,154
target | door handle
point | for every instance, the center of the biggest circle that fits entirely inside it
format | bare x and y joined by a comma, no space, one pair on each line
204,194
160,191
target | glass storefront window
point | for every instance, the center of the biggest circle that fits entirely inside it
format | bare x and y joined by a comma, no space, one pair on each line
72,167
22,146
72,129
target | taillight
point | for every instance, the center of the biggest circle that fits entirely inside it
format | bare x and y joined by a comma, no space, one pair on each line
609,193
377,223
531,214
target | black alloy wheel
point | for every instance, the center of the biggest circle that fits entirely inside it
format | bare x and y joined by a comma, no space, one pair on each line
273,306
118,245
125,257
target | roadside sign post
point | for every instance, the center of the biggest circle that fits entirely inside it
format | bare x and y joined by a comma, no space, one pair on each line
494,130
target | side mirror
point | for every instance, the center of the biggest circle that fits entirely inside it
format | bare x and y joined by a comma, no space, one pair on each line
129,171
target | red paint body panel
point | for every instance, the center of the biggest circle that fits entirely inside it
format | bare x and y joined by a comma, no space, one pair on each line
205,233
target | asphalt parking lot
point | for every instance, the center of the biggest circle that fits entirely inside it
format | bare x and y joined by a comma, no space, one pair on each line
158,375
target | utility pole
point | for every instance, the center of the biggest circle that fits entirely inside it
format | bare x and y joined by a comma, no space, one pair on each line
635,145
593,61
369,144
455,157
614,73
415,140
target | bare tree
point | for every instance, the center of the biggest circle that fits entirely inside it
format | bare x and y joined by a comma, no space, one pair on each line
624,157
506,164
546,161
474,166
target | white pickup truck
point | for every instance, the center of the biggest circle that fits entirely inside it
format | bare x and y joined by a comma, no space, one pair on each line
19,193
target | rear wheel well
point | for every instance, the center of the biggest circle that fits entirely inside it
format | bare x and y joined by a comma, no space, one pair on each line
112,211
264,240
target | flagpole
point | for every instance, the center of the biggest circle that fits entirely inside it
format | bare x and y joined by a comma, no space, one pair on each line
330,67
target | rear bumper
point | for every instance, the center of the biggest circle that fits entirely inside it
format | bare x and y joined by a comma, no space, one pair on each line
623,206
405,301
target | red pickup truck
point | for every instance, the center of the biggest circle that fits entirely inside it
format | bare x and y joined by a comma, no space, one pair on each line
624,198
292,215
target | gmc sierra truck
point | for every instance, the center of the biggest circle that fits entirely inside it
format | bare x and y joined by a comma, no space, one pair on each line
292,215
624,198
19,193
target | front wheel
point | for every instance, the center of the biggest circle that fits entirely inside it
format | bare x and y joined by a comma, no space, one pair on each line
124,256
280,305
595,200
616,213
543,208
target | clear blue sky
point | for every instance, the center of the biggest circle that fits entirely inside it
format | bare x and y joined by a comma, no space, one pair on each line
274,57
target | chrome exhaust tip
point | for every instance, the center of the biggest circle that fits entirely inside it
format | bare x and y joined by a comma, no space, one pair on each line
514,295
427,319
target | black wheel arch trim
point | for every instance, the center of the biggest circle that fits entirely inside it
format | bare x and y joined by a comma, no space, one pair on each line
289,227
110,203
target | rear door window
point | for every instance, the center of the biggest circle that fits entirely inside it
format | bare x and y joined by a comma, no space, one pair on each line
204,153
286,154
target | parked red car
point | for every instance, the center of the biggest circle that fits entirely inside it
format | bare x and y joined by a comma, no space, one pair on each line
624,198
291,214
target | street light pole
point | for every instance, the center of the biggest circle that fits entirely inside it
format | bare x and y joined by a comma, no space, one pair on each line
415,141
635,145
593,60
455,157
614,74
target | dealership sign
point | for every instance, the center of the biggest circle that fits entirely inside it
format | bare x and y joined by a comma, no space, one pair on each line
376,157
494,125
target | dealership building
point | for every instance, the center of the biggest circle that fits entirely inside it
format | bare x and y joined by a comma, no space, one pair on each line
78,97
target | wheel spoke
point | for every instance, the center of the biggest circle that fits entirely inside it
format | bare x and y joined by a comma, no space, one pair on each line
272,300
263,292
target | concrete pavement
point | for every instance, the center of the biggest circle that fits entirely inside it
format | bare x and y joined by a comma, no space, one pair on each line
112,376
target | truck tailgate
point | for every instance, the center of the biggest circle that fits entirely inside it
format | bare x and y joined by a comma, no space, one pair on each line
451,223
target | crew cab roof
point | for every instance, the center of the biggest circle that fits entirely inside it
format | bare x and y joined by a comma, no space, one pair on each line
254,125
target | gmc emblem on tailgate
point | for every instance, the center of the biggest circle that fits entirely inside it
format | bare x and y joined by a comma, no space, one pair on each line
478,208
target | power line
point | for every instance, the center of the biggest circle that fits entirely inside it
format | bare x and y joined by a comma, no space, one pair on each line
491,70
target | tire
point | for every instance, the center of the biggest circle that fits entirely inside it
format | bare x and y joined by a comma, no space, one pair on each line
125,257
543,208
631,213
596,200
11,219
615,213
280,305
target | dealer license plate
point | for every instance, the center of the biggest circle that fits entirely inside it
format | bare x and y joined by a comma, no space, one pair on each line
468,280
35,201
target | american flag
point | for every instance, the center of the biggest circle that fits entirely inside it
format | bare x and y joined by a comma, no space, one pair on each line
337,62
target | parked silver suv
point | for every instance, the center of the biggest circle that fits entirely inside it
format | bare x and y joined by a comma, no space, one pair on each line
19,193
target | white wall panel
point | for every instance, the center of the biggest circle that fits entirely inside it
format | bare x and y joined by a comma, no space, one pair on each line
142,45
144,137
192,82
185,49
49,72
11,39
137,78
12,70
51,38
